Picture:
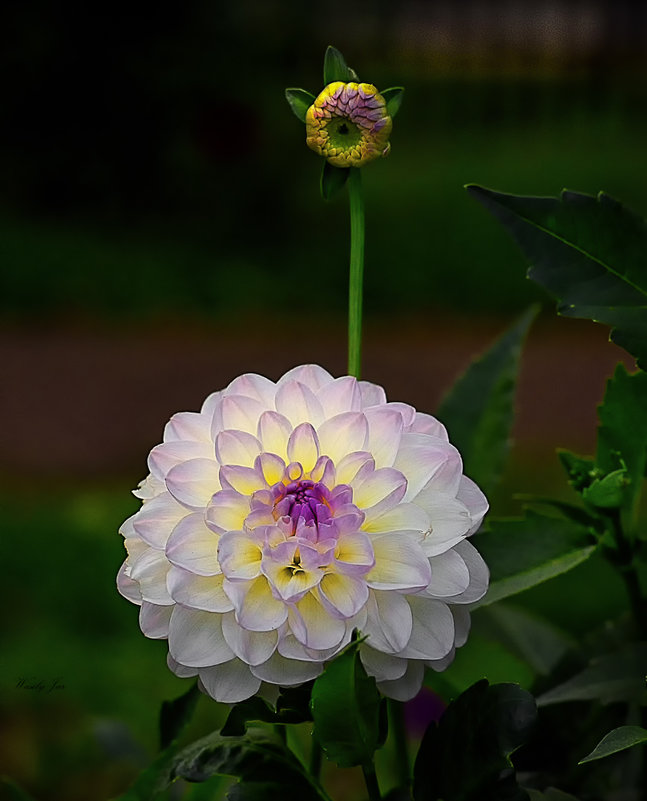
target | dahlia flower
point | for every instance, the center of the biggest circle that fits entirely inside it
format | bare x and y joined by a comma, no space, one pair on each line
348,124
284,516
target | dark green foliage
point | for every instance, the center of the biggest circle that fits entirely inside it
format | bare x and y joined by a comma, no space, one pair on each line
346,711
590,252
299,101
292,706
479,410
335,67
617,740
527,551
393,97
333,180
174,715
466,756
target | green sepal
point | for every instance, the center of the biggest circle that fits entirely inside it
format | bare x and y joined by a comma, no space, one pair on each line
299,101
617,740
587,251
175,715
346,710
393,98
581,471
609,492
333,179
335,67
466,755
479,409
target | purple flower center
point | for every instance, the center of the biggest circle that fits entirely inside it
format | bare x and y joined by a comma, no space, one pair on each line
304,500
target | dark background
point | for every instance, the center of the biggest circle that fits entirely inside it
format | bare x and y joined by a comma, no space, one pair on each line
161,231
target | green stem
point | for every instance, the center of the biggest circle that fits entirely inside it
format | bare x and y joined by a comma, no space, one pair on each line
625,566
398,729
371,782
315,759
355,290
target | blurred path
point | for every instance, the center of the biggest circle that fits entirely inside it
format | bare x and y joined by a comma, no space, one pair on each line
84,403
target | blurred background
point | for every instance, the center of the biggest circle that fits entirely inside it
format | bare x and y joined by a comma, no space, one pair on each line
161,232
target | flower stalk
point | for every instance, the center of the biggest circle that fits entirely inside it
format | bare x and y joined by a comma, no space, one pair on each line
356,279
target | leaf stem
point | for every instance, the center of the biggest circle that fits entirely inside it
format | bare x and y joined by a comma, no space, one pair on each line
355,289
625,566
397,726
370,779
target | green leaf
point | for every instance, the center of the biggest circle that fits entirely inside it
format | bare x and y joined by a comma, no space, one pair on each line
335,67
333,180
528,551
175,715
618,676
257,758
541,644
466,756
300,101
587,251
622,435
292,706
581,471
346,710
609,492
617,740
393,98
479,410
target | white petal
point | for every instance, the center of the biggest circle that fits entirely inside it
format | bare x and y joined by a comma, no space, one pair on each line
341,395
429,462
426,424
198,592
194,547
230,682
408,686
238,412
389,621
274,430
256,608
254,386
372,394
449,575
157,518
312,375
474,500
298,403
385,427
403,517
245,480
479,574
149,570
240,554
286,672
191,426
343,595
303,446
165,456
227,511
384,667
450,521
193,483
149,487
378,491
342,434
400,563
195,638
313,626
237,447
127,586
406,411
291,648
462,624
349,466
441,664
154,620
253,647
182,671
432,633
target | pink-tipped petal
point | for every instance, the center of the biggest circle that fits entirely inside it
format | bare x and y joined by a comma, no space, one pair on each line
474,500
341,395
342,434
237,447
426,424
312,375
154,620
157,518
127,587
165,456
303,446
198,592
191,426
195,638
253,386
238,412
371,394
273,431
230,682
428,462
193,483
385,427
194,547
298,403
378,491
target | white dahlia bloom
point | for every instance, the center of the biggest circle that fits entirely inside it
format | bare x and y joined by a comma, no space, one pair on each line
283,516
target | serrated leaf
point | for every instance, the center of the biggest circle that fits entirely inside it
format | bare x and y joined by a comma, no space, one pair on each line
175,715
466,755
346,710
622,435
335,67
619,676
299,101
587,251
393,98
617,740
479,410
609,492
581,471
524,552
333,180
